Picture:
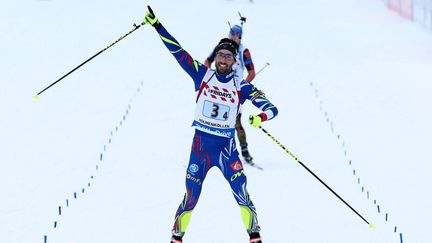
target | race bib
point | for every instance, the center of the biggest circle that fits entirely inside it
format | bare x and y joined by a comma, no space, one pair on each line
215,111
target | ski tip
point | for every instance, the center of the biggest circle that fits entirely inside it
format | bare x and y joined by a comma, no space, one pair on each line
371,226
36,97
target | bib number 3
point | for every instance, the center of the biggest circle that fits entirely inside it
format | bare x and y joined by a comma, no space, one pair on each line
216,111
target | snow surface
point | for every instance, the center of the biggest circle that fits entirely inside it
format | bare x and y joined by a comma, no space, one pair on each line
352,82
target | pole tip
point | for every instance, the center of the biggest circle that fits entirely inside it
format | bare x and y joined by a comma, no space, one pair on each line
36,97
371,226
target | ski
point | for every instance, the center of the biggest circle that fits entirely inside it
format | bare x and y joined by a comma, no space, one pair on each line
254,165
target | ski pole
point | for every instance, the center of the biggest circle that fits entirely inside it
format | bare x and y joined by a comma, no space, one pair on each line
95,55
322,182
267,64
242,19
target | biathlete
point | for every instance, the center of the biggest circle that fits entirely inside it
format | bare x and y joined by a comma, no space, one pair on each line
218,96
243,61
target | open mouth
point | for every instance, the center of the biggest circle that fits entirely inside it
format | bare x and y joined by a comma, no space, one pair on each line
223,65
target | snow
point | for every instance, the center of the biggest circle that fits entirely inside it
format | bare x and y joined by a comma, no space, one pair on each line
351,81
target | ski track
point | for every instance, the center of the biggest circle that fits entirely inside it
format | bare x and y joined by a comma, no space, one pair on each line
350,163
112,133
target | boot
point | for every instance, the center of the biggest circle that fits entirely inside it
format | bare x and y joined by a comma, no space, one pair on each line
245,153
255,237
176,239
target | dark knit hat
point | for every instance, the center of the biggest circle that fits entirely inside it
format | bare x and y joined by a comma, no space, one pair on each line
227,44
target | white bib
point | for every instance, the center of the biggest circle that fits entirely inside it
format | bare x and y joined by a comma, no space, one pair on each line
239,66
217,105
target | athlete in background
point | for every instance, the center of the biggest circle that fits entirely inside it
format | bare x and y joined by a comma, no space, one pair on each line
218,96
244,61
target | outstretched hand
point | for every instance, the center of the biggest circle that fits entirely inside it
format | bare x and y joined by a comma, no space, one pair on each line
150,17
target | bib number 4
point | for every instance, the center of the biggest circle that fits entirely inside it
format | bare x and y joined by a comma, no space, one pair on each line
216,111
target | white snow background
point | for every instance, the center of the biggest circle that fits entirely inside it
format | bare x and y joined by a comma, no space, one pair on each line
351,80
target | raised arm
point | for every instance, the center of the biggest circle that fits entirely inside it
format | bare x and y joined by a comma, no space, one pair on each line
195,69
249,65
210,59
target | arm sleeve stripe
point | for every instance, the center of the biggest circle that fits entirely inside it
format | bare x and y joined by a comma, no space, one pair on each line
170,41
196,65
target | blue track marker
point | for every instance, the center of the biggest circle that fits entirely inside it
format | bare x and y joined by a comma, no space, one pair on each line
101,155
350,163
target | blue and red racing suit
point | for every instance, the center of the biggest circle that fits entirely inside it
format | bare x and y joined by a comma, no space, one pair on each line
218,101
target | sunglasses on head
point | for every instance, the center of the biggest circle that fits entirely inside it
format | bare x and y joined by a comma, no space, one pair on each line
225,56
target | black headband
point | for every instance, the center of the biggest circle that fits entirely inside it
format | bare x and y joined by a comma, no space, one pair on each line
227,44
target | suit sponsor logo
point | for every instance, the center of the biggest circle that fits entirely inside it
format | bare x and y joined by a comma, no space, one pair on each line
193,168
236,175
213,124
236,166
192,178
220,93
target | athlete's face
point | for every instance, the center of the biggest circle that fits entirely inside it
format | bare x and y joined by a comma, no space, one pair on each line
224,61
